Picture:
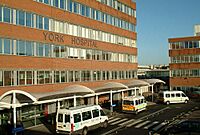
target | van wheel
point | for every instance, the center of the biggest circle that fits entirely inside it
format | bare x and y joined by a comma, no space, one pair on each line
105,124
186,101
84,132
167,102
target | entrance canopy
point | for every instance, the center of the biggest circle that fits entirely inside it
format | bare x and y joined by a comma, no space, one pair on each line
137,83
110,86
23,98
153,81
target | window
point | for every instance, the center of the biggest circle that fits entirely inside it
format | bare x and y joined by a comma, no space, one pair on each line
7,46
0,14
21,77
40,77
1,78
46,1
47,51
46,23
62,4
21,17
39,49
178,95
21,48
183,95
102,113
167,95
1,50
77,118
39,22
70,73
6,14
83,10
67,118
136,102
63,76
8,78
47,77
95,113
60,117
75,7
86,115
28,19
29,48
172,95
87,11
29,77
55,3
57,76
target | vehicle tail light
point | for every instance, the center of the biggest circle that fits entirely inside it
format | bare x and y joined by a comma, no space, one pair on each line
72,127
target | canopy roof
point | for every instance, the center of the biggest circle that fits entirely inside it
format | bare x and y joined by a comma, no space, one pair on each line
137,83
153,81
110,86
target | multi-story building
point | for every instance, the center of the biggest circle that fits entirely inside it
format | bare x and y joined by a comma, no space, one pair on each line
47,45
184,56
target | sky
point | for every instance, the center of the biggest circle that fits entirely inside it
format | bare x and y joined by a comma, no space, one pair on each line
158,20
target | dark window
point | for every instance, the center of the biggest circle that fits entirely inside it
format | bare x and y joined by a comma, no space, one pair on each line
1,45
47,50
102,113
172,95
70,5
60,117
86,115
39,49
77,117
6,13
87,11
29,48
178,95
8,78
83,10
57,76
21,48
167,95
46,23
21,17
62,4
46,1
28,19
0,13
39,21
55,3
75,7
48,77
67,118
29,77
21,77
95,113
40,77
136,102
183,95
127,102
7,48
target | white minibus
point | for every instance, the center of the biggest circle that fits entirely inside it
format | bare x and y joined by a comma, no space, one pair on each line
173,97
81,119
134,104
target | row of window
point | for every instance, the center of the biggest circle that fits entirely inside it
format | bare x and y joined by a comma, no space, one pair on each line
30,48
30,77
27,19
92,13
186,88
119,6
184,45
185,73
185,59
173,95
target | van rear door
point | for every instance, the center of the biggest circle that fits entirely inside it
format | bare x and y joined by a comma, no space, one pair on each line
63,122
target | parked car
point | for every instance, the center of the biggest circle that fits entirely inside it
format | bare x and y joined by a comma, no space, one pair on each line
184,126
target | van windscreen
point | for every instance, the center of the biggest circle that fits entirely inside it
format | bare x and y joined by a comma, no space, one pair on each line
67,118
127,102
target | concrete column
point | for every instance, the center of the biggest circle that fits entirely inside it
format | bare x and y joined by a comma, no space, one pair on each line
111,104
97,99
14,110
152,91
122,94
135,91
74,100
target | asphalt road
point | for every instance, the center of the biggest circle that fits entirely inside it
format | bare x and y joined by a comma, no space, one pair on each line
154,118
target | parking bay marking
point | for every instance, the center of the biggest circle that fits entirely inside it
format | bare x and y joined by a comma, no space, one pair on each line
113,120
118,121
152,124
136,122
129,121
159,126
142,124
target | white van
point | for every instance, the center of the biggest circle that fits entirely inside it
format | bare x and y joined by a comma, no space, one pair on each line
81,119
172,97
134,104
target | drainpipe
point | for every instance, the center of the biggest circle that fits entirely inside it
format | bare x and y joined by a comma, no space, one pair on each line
14,111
